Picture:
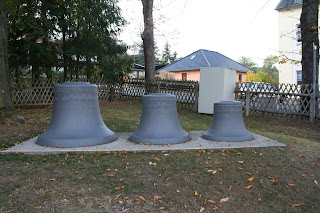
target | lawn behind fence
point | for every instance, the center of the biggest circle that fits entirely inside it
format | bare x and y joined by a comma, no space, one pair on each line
275,179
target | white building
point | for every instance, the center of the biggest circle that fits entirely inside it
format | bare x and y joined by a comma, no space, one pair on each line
289,45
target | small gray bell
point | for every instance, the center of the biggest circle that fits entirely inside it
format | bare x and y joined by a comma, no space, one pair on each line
227,123
76,119
159,122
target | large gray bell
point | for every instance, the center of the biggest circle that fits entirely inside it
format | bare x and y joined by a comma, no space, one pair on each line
76,119
227,123
159,122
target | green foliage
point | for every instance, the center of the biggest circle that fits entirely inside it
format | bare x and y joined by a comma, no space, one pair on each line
167,57
269,68
268,74
139,58
248,63
260,76
70,34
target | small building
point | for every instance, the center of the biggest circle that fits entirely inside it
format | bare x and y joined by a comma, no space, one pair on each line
138,71
188,68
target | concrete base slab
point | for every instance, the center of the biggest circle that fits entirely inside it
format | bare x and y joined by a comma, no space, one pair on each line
122,144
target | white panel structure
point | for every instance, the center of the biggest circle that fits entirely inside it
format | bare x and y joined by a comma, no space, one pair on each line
216,84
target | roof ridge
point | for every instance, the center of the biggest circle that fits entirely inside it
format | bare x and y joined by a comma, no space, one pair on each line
205,57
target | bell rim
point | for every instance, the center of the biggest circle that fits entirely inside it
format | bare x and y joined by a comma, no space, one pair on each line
159,141
76,85
241,138
69,143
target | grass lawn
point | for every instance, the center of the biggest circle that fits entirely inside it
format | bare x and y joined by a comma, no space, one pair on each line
276,179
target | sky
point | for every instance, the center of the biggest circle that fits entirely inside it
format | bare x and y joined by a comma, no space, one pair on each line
233,28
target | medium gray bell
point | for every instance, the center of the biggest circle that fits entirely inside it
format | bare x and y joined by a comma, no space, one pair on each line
227,123
159,122
76,119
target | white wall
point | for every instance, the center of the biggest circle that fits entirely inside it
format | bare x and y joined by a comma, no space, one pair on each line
288,44
216,84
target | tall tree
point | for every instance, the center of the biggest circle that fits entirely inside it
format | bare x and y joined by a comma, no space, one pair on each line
148,44
45,32
5,95
167,57
270,68
248,63
309,35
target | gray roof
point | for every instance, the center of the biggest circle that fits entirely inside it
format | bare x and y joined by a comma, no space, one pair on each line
288,3
205,58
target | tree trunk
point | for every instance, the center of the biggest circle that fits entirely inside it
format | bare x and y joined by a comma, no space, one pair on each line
309,35
5,93
148,45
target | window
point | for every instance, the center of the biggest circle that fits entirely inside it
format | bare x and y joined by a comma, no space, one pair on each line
298,32
299,77
192,57
184,76
240,77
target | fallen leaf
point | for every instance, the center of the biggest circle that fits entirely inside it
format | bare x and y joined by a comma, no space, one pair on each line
185,207
178,191
161,208
295,205
110,175
291,184
248,187
52,179
201,209
142,198
316,182
215,208
157,159
259,198
273,180
152,164
119,187
241,162
250,179
196,193
165,154
156,197
117,196
168,178
212,171
223,200
212,202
